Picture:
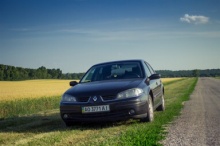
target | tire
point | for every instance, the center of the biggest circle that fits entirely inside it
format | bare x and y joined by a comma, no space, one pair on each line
150,111
162,106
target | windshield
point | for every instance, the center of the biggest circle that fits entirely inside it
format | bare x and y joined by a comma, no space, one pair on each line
122,70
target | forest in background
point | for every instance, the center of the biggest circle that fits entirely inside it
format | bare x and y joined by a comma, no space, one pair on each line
12,73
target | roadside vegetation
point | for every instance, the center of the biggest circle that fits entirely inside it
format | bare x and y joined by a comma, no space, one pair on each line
46,127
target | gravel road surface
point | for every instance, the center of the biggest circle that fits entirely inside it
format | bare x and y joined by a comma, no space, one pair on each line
199,123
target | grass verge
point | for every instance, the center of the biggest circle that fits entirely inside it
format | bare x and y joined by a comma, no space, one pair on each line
146,134
20,107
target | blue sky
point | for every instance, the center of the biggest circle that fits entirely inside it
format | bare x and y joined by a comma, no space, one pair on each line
75,34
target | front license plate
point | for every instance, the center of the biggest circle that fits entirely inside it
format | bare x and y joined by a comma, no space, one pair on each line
93,109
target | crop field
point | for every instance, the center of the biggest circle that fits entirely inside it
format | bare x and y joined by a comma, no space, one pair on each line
43,126
19,98
11,90
165,80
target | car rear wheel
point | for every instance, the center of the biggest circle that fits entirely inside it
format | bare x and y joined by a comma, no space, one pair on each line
162,106
150,112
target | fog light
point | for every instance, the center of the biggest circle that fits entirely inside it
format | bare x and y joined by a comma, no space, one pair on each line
65,116
131,112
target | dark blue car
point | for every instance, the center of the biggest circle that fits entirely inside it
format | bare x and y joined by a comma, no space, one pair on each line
114,91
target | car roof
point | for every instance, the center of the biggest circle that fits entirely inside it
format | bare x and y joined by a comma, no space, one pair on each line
131,60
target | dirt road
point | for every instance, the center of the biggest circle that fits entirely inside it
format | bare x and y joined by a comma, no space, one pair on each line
199,123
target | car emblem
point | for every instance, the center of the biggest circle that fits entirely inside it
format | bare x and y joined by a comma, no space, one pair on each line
94,98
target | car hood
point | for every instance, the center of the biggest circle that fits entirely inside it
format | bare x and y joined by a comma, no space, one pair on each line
110,87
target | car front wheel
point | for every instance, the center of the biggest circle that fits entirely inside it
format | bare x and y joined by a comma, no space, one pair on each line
150,112
162,106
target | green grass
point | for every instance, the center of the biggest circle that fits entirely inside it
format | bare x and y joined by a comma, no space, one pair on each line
46,127
20,107
141,134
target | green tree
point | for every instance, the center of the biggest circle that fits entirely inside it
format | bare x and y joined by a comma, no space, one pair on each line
32,73
42,72
7,71
14,74
195,73
1,72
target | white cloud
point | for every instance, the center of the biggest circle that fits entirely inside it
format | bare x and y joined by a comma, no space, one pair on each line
195,19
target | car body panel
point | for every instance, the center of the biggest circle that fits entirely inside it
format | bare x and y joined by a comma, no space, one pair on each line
104,87
118,110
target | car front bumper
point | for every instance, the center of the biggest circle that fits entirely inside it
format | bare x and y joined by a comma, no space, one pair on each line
119,110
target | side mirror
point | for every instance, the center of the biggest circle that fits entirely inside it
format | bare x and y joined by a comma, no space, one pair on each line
154,76
73,83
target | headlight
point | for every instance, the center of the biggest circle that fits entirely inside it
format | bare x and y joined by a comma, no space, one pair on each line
130,93
68,98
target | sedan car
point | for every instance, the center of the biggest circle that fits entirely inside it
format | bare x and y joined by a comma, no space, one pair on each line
112,91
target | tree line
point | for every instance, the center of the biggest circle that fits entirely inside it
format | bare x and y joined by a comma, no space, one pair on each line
190,73
12,73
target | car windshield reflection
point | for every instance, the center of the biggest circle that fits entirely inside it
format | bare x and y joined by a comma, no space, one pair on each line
114,71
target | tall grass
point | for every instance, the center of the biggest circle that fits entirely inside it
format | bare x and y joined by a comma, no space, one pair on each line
19,107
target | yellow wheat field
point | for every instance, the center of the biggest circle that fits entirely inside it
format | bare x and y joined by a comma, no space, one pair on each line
10,90
164,80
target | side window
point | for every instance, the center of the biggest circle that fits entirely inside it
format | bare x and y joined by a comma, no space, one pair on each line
147,71
151,69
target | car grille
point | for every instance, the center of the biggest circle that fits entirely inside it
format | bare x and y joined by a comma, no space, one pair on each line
108,97
83,99
104,97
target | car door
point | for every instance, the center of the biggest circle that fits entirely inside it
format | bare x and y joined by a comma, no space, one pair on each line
155,86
